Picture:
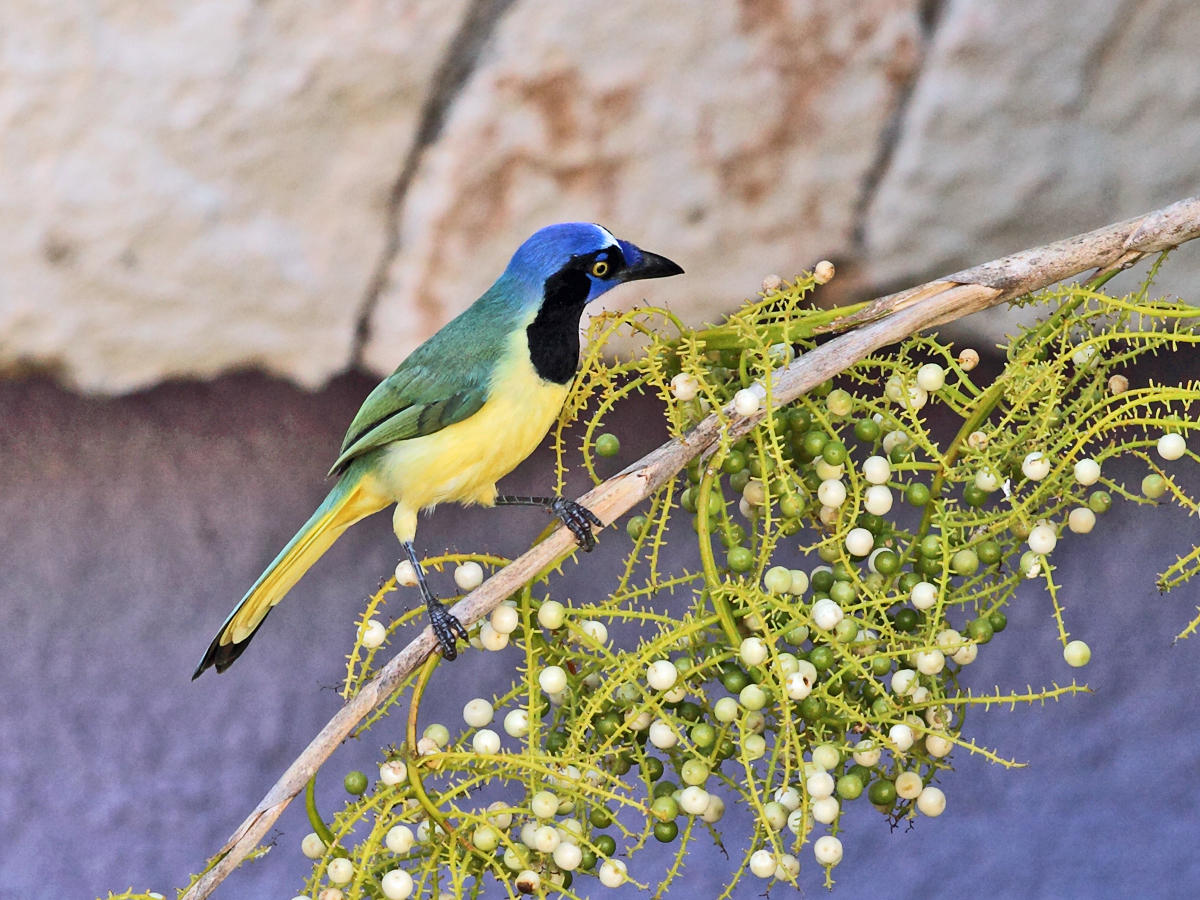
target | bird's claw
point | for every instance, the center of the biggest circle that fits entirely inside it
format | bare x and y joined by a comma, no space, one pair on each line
579,519
447,629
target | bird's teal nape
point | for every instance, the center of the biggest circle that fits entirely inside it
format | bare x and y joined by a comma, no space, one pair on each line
459,413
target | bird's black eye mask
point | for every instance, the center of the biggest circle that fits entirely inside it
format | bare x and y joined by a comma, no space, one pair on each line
606,264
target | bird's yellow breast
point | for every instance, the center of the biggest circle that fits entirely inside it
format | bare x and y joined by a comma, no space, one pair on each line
463,461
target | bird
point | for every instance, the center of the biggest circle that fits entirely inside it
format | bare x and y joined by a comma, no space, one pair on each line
459,413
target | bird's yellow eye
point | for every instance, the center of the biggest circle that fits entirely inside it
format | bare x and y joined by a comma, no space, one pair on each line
600,268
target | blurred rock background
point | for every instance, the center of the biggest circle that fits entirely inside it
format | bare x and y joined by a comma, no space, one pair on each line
308,190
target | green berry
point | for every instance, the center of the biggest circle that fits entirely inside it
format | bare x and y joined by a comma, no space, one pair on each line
833,452
1154,486
703,735
964,562
740,559
916,494
906,619
664,808
355,783
882,793
606,844
664,789
867,430
665,832
980,630
989,552
974,496
608,445
636,527
813,443
734,462
849,786
821,658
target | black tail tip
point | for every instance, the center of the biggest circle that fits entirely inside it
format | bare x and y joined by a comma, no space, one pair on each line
219,656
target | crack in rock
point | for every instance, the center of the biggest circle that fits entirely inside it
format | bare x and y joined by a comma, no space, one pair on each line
929,14
459,63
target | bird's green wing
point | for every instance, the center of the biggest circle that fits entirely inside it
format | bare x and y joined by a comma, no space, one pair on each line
416,400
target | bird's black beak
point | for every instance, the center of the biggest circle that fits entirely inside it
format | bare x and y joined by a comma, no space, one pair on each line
641,264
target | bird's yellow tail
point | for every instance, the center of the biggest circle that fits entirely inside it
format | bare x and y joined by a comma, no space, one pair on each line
348,502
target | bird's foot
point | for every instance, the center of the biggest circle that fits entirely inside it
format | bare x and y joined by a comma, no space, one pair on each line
446,627
579,519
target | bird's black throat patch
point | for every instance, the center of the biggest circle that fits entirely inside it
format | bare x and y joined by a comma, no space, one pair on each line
554,333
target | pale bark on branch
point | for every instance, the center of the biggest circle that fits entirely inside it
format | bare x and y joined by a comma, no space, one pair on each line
887,320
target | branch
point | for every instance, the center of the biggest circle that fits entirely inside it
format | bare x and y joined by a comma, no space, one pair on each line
887,320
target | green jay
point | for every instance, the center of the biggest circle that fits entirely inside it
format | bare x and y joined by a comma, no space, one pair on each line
460,412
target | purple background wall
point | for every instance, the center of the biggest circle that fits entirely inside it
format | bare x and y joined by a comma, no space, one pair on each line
130,526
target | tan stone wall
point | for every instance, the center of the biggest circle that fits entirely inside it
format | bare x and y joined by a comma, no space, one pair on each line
307,187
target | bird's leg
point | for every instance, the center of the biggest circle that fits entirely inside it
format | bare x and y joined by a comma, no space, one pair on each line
575,516
446,626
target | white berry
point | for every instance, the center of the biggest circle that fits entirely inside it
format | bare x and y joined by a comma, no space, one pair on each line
877,469
393,772
832,493
685,386
931,801
340,870
613,873
399,839
485,742
746,402
762,863
1077,654
1042,538
552,679
662,735
1171,446
924,595
877,500
551,614
544,804
1035,466
825,809
753,651
908,785
826,614
828,850
397,885
312,846
694,800
478,712
859,541
406,574
597,631
798,685
568,856
468,575
1081,520
931,377
1087,472
715,808
516,723
901,735
903,682
505,619
490,638
661,675
930,662
819,784
866,753
374,634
